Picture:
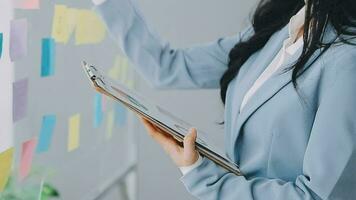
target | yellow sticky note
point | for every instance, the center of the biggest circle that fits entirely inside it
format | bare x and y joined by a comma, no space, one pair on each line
110,124
124,66
89,28
74,132
114,71
131,84
120,69
72,15
64,21
5,167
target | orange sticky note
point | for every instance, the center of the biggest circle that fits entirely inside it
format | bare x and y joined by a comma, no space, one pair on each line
5,166
28,148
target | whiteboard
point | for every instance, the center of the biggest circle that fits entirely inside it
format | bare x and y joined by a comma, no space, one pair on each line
84,172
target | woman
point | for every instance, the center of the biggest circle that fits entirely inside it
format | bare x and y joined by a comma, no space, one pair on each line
289,88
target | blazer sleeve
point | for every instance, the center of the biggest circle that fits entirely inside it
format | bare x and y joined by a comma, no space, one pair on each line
329,164
161,65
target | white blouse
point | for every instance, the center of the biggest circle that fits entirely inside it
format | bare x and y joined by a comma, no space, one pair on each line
290,47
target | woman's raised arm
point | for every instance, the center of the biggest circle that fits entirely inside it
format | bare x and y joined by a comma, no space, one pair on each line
200,66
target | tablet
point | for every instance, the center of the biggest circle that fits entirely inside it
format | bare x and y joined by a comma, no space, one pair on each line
160,117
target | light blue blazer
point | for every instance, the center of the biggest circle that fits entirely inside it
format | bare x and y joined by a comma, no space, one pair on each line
288,146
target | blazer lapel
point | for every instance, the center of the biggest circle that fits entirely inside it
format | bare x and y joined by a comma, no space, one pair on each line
257,66
271,87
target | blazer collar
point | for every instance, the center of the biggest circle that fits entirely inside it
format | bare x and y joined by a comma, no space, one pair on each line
271,87
242,85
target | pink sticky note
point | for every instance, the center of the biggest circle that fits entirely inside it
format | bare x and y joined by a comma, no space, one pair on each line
27,4
18,39
28,148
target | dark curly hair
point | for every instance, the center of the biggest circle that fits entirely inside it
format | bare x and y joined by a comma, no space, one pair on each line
272,15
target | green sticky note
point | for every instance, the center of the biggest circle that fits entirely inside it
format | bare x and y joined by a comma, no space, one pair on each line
110,123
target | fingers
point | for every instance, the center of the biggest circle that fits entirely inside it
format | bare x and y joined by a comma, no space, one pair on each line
150,128
169,144
181,156
190,154
189,140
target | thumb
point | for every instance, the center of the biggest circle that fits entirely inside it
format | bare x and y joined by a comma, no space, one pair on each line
189,143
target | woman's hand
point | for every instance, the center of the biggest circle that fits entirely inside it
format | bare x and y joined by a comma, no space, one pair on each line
181,156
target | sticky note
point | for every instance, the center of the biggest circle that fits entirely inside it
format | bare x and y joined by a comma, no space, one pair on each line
73,132
28,148
63,24
20,97
48,57
98,110
104,103
86,25
110,123
6,158
124,66
47,129
120,71
89,28
1,41
114,71
27,4
18,39
130,84
121,114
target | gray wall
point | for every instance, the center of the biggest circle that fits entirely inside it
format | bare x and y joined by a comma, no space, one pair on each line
185,23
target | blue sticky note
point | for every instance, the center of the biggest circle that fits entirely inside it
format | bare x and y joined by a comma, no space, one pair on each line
47,129
1,38
120,115
48,57
98,111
